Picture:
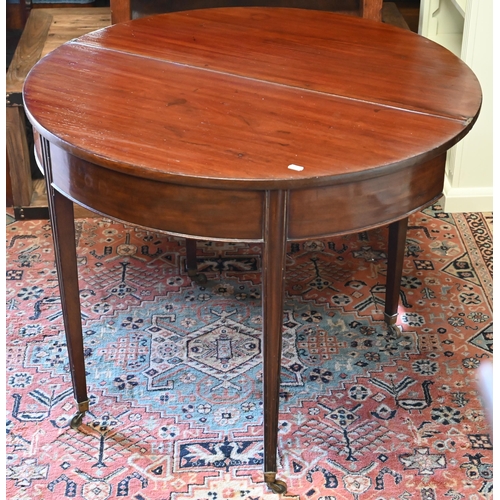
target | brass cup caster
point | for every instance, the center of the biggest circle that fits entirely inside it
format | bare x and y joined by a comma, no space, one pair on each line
276,485
396,330
392,328
199,278
76,421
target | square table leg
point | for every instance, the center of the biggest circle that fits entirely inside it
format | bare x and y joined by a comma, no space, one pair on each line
63,231
395,260
192,264
273,276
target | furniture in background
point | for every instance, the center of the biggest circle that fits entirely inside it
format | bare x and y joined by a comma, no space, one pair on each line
314,124
466,28
16,14
123,10
45,30
18,10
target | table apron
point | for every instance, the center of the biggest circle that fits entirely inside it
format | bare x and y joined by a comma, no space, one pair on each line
183,210
363,204
239,215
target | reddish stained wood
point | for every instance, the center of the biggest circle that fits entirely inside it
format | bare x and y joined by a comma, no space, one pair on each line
371,9
273,276
364,204
120,11
63,232
323,51
203,213
188,125
145,137
172,98
395,261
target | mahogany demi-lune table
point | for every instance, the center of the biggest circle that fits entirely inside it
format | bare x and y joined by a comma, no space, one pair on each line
245,124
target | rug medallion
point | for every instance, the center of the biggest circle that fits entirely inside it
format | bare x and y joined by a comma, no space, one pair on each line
174,369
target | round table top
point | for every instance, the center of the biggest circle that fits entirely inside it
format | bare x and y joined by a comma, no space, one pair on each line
264,98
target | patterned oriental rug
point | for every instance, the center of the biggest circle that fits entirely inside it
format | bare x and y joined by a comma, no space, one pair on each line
174,368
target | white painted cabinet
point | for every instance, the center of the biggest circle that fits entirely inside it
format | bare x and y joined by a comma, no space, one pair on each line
466,28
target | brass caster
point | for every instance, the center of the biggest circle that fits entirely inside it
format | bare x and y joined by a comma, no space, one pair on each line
199,278
76,421
396,330
278,486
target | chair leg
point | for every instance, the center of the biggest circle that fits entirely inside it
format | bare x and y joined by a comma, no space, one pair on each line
191,263
395,259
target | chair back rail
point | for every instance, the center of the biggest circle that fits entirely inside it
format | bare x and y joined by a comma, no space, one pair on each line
125,10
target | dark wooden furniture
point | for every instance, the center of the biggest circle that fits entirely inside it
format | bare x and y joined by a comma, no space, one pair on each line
312,124
47,29
125,10
16,15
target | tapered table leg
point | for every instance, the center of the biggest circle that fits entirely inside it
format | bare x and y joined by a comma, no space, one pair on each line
191,263
63,231
273,274
395,258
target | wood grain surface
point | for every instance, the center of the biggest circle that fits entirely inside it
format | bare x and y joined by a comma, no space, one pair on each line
232,97
246,124
46,30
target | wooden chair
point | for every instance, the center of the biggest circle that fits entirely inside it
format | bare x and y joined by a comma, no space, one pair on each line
125,10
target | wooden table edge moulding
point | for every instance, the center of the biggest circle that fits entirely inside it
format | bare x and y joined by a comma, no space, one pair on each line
245,124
